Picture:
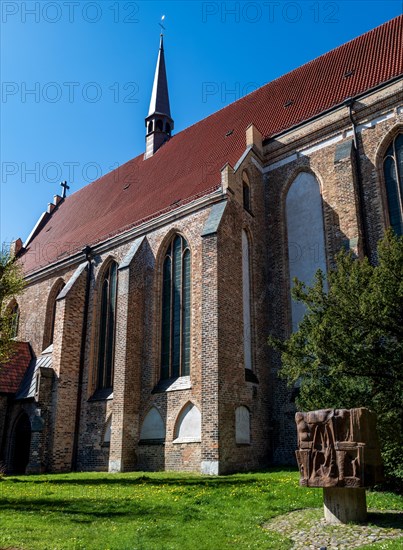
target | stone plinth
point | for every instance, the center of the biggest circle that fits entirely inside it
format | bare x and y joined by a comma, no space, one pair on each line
344,505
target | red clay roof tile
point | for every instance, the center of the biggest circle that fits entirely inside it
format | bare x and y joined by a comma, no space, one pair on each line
12,373
188,166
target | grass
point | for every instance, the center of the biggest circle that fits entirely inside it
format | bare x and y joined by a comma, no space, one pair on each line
155,511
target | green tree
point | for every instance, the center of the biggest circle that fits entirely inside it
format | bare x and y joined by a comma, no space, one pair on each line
348,350
11,284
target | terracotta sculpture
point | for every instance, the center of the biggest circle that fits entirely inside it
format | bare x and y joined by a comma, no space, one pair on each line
338,448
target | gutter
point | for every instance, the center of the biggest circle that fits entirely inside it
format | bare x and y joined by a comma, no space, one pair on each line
130,234
332,109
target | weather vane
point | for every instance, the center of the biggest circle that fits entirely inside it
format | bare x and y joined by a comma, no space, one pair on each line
161,25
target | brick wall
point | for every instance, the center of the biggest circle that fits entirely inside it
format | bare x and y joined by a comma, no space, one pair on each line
217,379
343,215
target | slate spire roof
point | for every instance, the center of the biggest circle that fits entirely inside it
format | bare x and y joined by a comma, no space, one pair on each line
159,103
189,164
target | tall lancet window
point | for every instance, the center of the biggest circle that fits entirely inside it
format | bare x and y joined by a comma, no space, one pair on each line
246,293
393,171
246,191
15,319
175,330
49,331
107,328
306,237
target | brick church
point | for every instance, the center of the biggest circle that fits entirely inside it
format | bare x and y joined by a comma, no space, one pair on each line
142,332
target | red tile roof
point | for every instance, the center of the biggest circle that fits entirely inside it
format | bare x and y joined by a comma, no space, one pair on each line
12,373
188,166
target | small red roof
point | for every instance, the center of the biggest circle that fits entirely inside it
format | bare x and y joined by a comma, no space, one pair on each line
188,166
12,373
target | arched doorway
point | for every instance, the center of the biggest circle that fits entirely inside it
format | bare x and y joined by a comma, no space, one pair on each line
21,444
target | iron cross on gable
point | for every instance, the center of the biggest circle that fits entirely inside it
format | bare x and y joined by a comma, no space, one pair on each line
65,188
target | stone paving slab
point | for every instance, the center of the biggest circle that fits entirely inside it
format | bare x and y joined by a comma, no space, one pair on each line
308,530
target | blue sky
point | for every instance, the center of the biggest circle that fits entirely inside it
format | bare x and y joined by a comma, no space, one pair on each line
77,77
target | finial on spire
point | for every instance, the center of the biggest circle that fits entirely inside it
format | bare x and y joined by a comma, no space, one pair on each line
161,25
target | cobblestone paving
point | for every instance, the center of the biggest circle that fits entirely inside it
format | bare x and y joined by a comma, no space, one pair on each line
308,531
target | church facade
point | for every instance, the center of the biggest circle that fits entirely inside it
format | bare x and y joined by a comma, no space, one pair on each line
142,332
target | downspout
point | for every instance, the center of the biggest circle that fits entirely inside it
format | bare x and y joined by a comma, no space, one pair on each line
87,253
358,176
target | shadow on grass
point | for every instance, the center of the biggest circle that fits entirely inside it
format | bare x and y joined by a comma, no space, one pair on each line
85,510
118,479
386,520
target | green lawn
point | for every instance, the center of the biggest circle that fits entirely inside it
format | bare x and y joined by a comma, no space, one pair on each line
155,511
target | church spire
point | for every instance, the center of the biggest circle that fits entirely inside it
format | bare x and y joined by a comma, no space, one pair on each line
159,123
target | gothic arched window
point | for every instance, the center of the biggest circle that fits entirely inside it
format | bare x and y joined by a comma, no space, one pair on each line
107,328
306,236
393,172
246,293
246,192
15,319
175,329
51,314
